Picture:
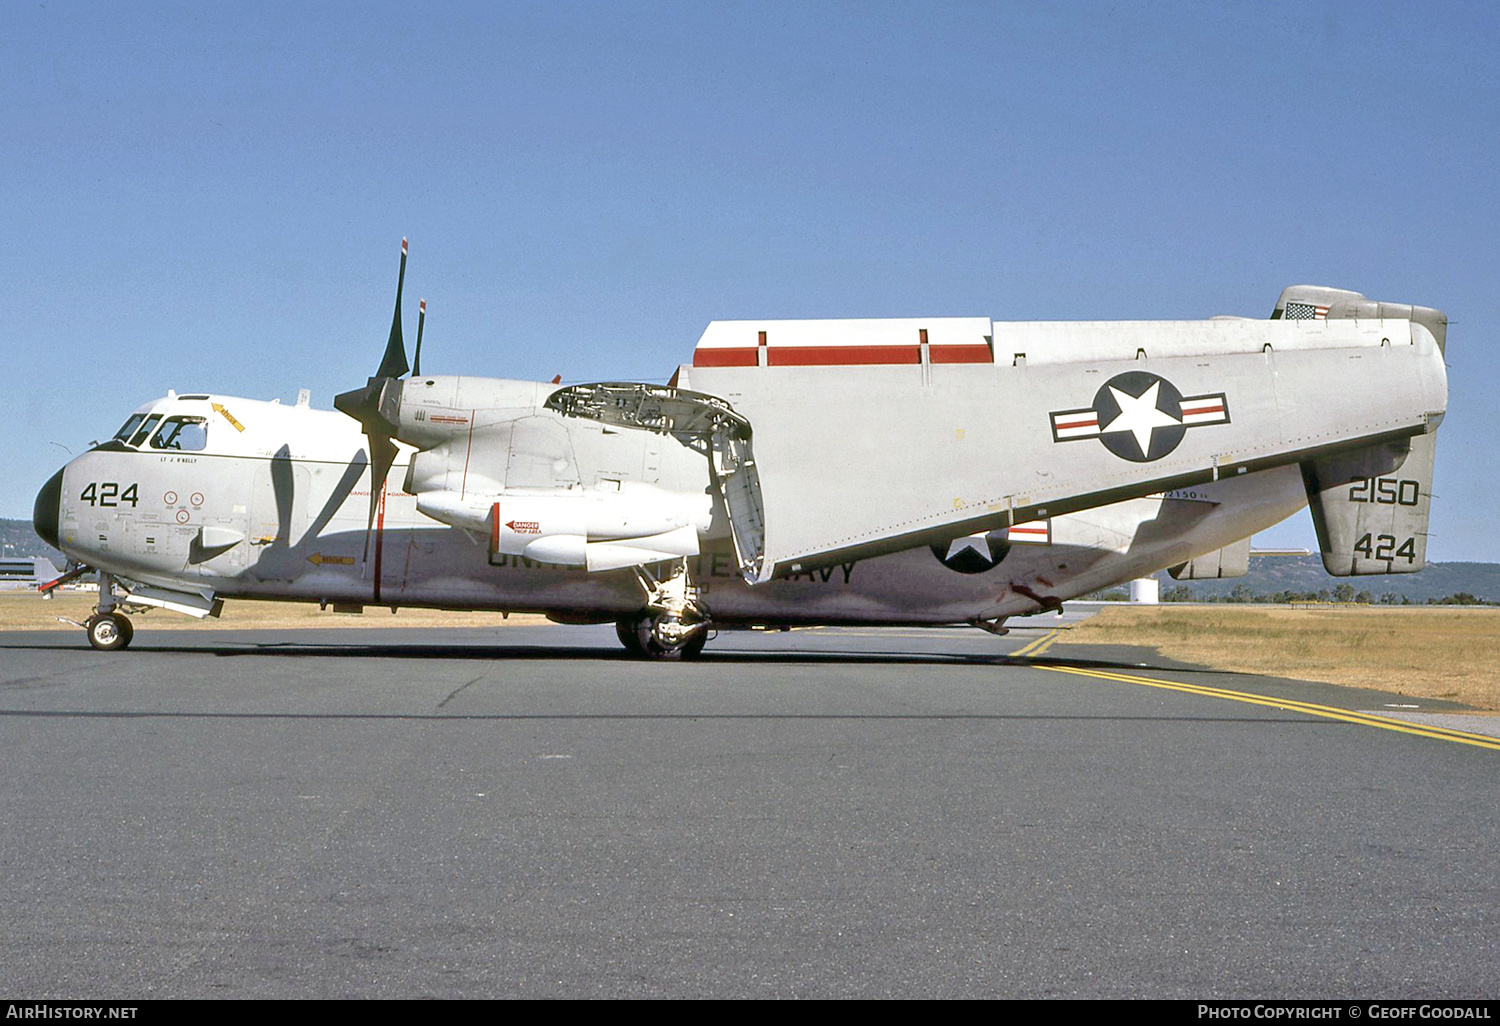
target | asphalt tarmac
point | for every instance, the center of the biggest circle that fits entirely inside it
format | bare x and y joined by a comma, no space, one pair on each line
830,813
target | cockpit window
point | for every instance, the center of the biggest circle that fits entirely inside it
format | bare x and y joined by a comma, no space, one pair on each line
187,434
145,429
130,425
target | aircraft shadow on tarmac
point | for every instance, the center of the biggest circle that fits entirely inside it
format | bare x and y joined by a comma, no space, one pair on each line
1147,660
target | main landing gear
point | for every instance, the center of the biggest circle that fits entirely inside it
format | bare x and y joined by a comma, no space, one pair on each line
673,624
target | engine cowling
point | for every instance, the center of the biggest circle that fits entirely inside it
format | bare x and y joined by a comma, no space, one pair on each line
598,529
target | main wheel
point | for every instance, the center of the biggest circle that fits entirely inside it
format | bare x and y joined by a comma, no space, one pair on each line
693,648
109,632
641,639
630,637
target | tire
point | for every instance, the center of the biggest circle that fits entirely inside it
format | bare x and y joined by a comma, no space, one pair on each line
630,637
694,647
640,643
109,632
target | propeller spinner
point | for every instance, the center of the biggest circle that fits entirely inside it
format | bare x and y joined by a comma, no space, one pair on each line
375,405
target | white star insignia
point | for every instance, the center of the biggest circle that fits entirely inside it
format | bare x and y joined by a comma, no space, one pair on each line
978,542
1140,417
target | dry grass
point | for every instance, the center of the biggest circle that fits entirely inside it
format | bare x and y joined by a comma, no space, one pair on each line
1451,654
1430,652
27,611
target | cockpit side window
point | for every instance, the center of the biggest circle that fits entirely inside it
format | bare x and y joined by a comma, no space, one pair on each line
145,430
129,428
185,434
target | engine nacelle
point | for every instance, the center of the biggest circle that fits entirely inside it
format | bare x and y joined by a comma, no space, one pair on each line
599,529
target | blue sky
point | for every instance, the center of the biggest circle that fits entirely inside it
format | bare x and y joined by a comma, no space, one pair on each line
211,196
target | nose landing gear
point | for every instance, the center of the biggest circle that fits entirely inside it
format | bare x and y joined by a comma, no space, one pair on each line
109,632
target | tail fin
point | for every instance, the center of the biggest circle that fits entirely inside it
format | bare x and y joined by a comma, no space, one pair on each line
1370,507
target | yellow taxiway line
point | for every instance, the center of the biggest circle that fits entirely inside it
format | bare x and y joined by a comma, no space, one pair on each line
1035,648
1325,711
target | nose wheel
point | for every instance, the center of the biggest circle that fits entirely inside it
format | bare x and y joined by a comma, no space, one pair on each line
109,632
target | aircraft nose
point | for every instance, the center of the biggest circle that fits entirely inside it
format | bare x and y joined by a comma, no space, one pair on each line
44,514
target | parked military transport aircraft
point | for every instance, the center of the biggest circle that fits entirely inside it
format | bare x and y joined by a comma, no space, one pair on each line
952,470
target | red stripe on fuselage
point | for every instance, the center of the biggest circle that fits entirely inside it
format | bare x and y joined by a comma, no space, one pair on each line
836,356
960,354
725,357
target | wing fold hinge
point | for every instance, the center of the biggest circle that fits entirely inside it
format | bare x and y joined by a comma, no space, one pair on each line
700,421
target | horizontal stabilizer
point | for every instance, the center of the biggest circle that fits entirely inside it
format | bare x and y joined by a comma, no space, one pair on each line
1230,561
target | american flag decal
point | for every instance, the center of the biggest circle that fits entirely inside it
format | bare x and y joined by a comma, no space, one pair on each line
1305,312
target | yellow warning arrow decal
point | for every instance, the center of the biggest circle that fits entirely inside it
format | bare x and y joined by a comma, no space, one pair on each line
227,416
318,559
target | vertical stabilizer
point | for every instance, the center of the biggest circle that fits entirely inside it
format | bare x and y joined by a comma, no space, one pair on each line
1370,508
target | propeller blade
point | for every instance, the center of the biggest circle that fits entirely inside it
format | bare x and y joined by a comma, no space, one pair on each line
416,359
365,405
375,405
393,364
382,456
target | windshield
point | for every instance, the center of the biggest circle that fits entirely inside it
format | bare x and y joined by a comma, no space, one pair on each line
188,434
129,427
145,429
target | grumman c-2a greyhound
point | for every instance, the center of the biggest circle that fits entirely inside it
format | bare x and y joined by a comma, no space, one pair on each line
950,470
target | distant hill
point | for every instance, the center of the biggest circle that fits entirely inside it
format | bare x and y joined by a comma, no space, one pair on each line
1268,575
18,540
1272,574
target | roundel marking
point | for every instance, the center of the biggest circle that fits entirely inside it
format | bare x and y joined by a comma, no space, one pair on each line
973,554
1139,416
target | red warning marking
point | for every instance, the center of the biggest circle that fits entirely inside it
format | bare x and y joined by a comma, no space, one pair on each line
524,526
